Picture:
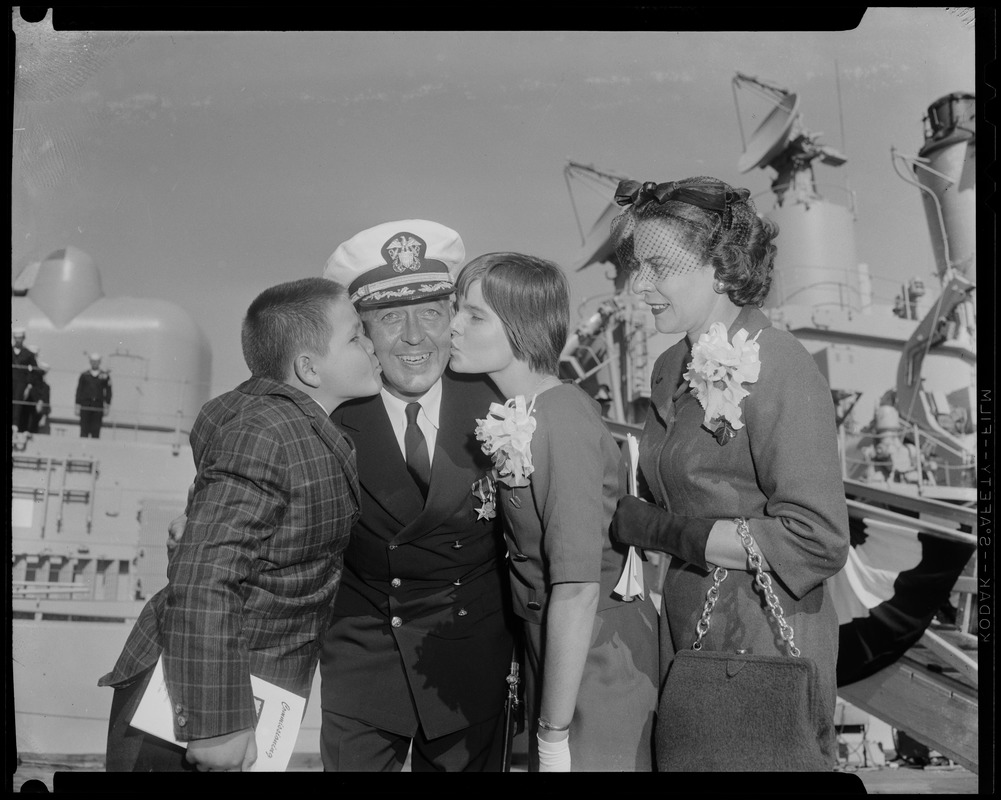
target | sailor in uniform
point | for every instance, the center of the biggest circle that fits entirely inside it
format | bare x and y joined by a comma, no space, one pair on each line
93,398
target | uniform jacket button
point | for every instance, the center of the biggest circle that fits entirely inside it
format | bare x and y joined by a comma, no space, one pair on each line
456,546
178,708
395,583
393,546
535,605
462,612
182,721
396,622
457,582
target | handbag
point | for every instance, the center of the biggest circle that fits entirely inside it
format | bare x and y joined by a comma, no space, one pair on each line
727,712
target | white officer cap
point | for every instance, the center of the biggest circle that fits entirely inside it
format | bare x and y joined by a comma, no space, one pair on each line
398,262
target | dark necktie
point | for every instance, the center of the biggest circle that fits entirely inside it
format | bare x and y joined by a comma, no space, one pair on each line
416,446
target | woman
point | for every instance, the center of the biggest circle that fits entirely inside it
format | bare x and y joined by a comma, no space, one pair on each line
740,426
591,671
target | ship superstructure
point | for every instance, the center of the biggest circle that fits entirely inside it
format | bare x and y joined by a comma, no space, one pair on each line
89,516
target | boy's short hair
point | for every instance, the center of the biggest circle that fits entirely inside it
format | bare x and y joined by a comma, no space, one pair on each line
532,298
285,320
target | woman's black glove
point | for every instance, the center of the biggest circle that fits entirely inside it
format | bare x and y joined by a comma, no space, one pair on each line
650,527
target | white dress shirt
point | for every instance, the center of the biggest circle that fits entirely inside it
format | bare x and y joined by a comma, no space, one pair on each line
427,419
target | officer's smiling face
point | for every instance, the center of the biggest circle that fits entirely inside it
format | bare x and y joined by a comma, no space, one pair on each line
412,343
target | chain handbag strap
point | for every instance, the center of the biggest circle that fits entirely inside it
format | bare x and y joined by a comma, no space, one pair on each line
763,580
702,627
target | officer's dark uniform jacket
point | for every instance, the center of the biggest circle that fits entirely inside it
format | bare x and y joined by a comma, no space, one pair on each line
421,630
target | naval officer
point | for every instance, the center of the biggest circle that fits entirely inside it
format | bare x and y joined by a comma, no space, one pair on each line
420,643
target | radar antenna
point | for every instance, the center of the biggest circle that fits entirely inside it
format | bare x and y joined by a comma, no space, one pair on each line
603,181
781,142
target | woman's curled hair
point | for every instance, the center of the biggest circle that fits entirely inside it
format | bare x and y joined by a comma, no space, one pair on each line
745,269
730,237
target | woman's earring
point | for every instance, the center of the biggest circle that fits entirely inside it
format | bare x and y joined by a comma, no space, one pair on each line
719,287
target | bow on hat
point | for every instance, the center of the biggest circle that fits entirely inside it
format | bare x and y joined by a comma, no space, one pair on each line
711,197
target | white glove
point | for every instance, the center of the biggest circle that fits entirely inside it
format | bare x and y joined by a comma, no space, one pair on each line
554,756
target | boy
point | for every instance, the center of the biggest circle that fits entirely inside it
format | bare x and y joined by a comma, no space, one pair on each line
252,581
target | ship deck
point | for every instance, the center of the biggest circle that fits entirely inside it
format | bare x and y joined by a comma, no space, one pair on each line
947,779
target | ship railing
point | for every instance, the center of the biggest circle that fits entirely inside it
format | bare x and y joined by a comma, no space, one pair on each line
927,470
849,297
47,589
140,404
883,293
118,425
888,293
852,298
927,473
848,198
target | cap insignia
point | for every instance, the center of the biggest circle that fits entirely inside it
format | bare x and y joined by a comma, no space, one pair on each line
406,253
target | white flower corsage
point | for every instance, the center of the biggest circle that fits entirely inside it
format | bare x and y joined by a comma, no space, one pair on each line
485,490
506,434
716,372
